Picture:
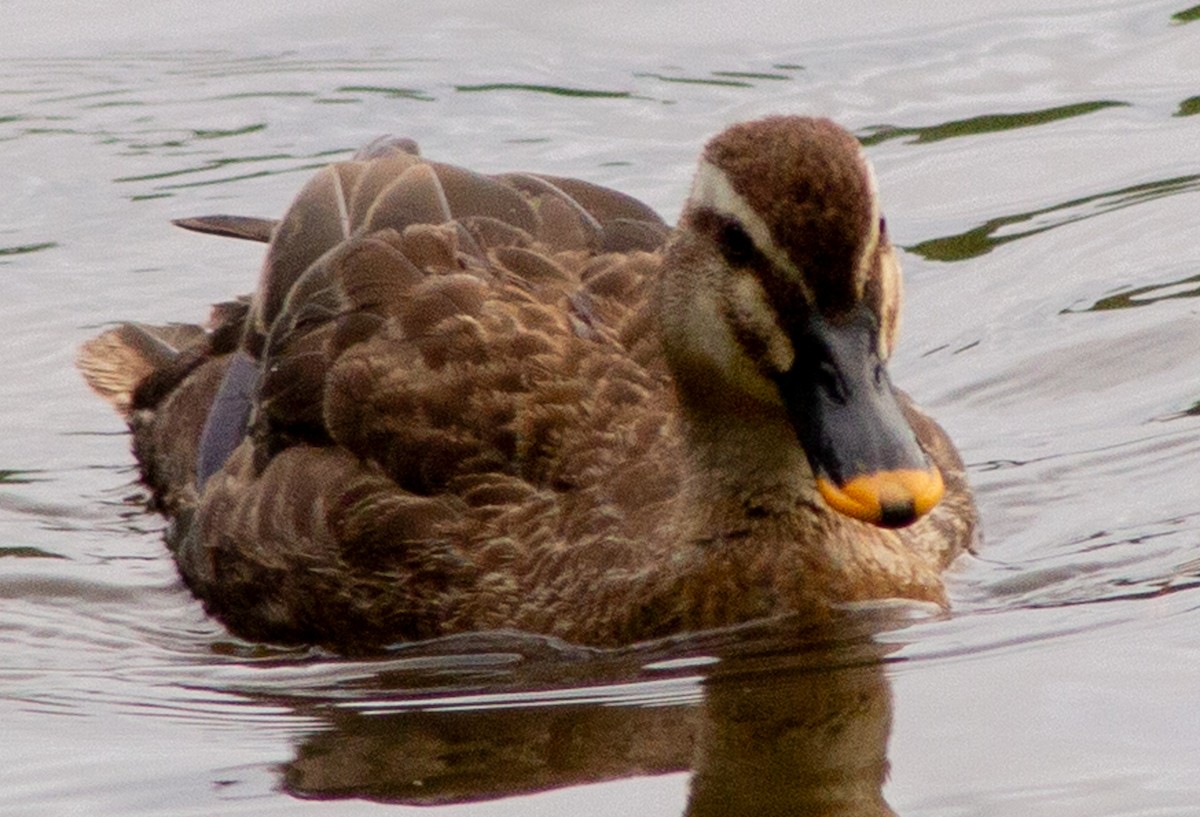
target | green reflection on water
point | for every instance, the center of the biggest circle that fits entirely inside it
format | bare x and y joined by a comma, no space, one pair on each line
749,75
1188,287
988,123
212,164
21,250
723,83
19,552
18,476
261,95
1187,15
241,177
1189,107
544,89
983,239
123,103
221,134
395,93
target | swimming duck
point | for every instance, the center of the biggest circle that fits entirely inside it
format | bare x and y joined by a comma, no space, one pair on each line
461,402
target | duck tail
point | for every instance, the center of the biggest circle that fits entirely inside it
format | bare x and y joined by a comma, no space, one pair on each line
116,362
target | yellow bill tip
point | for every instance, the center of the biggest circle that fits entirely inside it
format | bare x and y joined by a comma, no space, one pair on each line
891,499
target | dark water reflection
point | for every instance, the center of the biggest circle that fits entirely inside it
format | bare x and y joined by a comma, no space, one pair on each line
768,719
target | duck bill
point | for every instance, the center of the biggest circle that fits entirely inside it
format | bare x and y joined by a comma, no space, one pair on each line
863,452
890,499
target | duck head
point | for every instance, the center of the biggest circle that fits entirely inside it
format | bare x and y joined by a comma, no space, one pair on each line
781,295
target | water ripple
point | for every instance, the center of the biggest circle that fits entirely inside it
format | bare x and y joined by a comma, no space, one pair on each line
986,123
553,90
992,233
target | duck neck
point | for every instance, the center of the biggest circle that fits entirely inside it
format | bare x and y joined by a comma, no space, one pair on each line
748,470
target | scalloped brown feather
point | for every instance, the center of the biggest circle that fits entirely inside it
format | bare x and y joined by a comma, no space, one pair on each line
464,421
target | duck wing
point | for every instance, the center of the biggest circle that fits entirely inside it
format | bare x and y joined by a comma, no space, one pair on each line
442,379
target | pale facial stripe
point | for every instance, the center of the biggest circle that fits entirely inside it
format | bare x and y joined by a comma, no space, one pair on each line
863,268
888,273
713,191
891,293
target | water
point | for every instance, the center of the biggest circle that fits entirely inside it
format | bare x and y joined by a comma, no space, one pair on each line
1037,161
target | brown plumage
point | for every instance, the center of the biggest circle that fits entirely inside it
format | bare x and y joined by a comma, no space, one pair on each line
461,402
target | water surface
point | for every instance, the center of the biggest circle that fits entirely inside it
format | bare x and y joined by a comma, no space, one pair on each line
1038,164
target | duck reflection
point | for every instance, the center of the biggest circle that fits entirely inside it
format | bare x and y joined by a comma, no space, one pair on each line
810,742
776,727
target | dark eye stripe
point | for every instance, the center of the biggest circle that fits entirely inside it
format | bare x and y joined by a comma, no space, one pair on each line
732,240
737,247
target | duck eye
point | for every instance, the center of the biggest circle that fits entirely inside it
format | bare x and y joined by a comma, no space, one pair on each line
830,382
736,245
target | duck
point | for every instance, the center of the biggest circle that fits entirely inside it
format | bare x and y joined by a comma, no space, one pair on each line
459,402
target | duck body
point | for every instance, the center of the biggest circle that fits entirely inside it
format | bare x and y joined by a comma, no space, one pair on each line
460,402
